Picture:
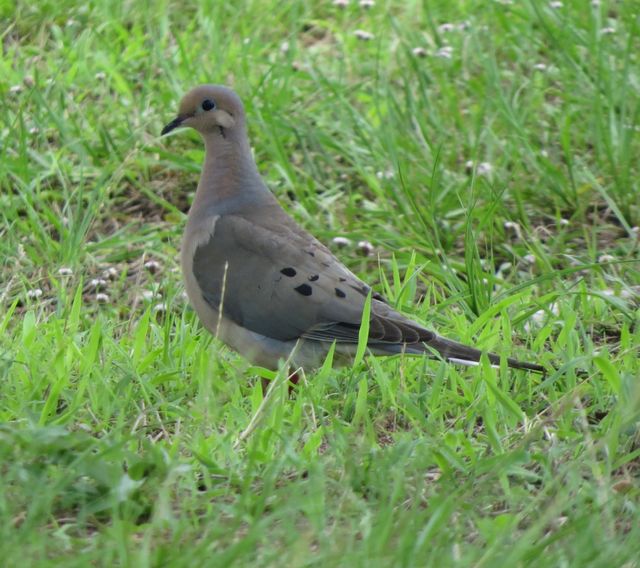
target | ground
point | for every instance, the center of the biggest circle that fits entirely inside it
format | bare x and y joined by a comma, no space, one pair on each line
477,163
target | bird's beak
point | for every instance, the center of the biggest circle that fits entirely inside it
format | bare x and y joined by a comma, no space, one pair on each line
175,123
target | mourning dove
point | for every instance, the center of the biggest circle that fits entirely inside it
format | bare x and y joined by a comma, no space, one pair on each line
261,283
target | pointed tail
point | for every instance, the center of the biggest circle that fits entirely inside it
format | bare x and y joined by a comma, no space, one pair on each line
459,353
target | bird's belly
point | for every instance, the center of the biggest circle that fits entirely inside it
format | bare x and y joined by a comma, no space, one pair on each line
257,348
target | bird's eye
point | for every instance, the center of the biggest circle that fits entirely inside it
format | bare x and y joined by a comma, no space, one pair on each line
208,104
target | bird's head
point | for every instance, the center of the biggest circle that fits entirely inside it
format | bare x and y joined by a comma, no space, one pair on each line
208,109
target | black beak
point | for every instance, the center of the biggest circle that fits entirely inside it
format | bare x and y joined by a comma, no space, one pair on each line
177,121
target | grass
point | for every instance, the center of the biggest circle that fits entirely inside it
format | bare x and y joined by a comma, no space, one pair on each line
492,164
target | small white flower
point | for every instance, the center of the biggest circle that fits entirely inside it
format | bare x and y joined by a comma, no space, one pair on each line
366,4
160,308
284,47
529,258
512,227
340,3
544,153
150,294
102,298
538,317
608,292
484,169
387,174
363,35
365,248
419,51
97,283
446,28
34,294
341,242
564,222
152,266
606,258
100,76
65,271
595,3
556,5
110,273
445,52
540,67
15,89
608,30
33,131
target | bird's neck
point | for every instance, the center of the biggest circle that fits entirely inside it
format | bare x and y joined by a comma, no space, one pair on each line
230,177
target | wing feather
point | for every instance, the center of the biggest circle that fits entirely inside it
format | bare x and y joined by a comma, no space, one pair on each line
284,284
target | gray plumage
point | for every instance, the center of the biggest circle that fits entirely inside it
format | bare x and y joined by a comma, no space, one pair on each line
261,283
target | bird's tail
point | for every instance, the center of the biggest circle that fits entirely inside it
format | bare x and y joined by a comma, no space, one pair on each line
459,353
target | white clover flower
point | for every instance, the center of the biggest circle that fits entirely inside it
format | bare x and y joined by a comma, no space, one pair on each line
152,266
365,248
97,283
341,242
484,169
446,28
445,52
363,35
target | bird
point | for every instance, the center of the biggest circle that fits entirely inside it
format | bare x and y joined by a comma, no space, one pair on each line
260,282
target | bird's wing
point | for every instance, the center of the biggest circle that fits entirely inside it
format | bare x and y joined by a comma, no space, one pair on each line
280,282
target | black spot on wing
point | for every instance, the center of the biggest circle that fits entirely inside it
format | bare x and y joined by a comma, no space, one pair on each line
364,290
290,272
313,277
379,297
304,289
340,293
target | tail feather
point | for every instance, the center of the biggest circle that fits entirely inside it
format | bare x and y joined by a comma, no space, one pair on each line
459,353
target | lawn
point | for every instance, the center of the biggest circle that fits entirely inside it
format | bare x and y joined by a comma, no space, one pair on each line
476,162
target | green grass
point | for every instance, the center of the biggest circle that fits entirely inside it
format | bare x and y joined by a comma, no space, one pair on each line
129,437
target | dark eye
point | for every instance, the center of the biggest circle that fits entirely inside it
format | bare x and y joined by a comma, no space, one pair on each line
208,104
